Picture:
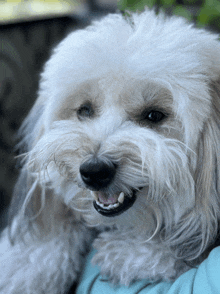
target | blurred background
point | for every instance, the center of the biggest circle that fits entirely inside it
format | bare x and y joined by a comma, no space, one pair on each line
29,29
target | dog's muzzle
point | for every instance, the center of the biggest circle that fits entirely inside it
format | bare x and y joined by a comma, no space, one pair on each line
97,175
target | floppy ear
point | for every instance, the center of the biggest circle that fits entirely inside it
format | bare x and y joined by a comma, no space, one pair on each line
207,178
33,207
32,128
26,187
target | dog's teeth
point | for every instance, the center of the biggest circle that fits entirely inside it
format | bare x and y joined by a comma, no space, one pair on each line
100,204
110,206
115,205
121,197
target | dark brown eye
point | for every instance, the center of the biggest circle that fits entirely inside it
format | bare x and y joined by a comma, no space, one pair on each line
151,116
155,116
85,111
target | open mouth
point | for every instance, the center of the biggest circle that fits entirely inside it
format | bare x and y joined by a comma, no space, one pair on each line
114,205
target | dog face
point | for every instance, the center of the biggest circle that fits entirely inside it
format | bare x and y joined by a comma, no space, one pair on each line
126,124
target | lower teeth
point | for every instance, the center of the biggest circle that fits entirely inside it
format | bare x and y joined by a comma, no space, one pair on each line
110,206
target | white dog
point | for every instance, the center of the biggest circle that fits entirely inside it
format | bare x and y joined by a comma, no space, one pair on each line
122,146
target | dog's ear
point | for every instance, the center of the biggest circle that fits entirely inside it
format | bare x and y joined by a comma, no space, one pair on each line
207,177
32,128
203,220
26,188
32,206
21,206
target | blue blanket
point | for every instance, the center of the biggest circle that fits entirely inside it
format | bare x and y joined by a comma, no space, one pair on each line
203,280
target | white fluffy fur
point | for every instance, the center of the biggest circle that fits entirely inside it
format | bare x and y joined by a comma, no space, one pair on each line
122,67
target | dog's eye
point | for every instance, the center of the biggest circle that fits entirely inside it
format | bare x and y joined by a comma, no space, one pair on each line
152,116
85,111
155,116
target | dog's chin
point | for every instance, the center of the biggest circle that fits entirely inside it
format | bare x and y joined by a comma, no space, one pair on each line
114,205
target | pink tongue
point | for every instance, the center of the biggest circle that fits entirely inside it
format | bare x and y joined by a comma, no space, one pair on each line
107,200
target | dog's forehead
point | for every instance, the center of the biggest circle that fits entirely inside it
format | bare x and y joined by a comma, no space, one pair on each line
121,91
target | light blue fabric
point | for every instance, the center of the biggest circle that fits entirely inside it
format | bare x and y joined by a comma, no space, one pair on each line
203,280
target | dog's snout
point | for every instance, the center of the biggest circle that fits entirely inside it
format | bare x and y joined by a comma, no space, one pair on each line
97,174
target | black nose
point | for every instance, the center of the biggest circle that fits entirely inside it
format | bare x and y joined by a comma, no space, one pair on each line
97,174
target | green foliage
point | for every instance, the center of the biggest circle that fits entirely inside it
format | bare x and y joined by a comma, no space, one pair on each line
167,2
135,5
203,12
193,2
182,11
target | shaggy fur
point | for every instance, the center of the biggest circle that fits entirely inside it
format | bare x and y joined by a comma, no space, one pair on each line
138,95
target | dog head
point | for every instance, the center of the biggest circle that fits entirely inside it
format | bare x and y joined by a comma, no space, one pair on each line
126,128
